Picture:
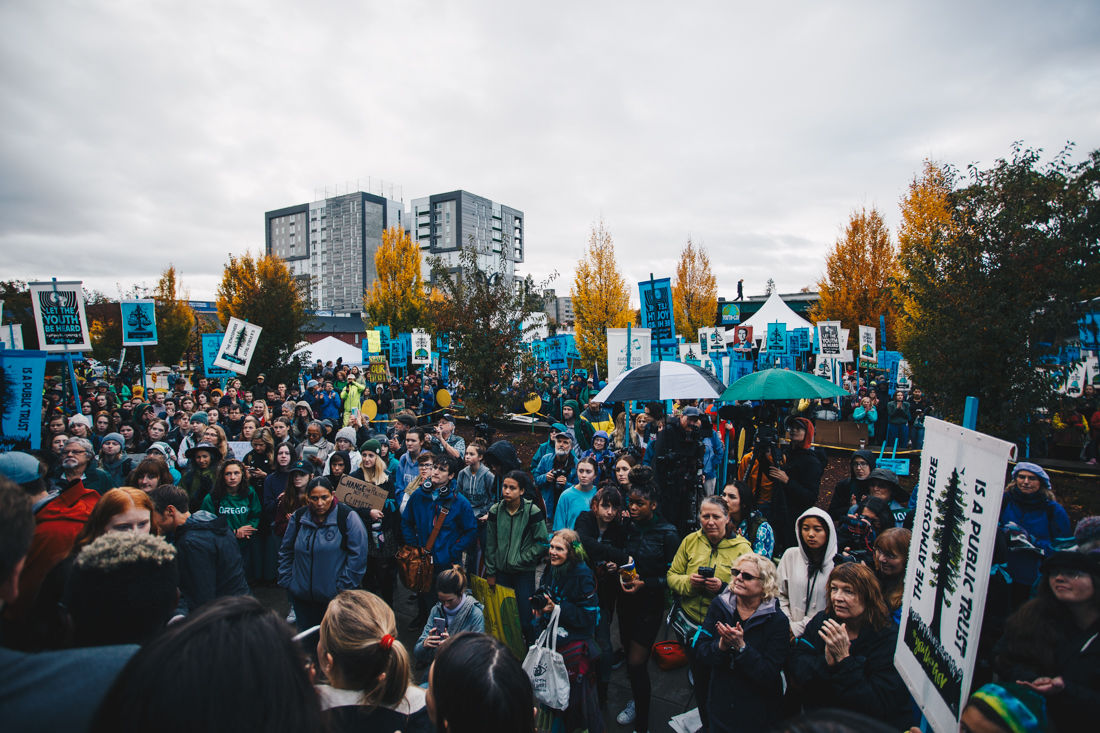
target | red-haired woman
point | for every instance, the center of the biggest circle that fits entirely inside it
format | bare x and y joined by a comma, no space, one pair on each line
845,657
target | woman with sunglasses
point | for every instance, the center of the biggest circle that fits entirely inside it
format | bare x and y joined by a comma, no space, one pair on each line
651,543
746,645
1050,644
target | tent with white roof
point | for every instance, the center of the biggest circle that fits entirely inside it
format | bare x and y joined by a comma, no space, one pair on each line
329,349
774,310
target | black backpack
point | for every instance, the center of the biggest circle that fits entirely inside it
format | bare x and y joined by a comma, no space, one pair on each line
342,513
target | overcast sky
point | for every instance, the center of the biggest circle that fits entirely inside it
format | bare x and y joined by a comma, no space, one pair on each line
136,134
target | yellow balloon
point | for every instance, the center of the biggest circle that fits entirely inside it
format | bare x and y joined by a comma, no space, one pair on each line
443,398
369,409
533,403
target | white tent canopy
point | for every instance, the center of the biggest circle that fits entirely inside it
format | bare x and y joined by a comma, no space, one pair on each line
329,349
774,310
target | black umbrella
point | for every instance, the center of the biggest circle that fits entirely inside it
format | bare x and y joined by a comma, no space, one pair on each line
662,380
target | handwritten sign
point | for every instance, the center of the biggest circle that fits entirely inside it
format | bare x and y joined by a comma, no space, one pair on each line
360,494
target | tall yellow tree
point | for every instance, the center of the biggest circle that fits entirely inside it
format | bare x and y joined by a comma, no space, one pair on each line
859,272
263,291
927,228
175,318
601,299
694,292
396,298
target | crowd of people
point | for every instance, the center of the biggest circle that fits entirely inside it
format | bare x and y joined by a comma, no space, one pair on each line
139,530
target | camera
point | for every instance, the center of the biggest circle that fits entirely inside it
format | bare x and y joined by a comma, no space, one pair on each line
766,445
557,473
483,430
539,601
706,572
856,534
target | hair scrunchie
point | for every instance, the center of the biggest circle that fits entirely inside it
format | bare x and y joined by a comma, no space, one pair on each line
386,642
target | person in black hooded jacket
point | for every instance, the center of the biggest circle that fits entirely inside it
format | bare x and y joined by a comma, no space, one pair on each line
852,489
500,458
796,482
209,560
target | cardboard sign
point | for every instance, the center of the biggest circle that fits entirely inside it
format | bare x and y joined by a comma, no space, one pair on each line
139,322
59,315
961,483
360,494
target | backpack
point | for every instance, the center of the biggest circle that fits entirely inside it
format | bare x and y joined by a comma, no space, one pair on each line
342,512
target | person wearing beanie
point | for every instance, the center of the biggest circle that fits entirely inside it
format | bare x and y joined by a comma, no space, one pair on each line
796,483
851,490
1033,521
344,441
1005,707
113,459
1087,534
197,424
548,446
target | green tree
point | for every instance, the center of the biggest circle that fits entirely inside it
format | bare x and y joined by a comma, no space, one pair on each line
396,298
1003,285
488,317
858,283
175,318
18,309
601,299
694,292
948,539
263,291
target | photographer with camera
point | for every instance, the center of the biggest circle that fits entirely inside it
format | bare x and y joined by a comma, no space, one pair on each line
442,438
678,463
857,534
795,476
556,471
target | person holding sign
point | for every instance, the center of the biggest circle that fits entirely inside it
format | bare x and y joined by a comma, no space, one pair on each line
845,657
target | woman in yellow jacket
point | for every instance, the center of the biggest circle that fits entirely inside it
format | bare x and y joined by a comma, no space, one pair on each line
699,572
352,396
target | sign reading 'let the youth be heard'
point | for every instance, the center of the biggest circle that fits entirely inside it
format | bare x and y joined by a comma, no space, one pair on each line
59,316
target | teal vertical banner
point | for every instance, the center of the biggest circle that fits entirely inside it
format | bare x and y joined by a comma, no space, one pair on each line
657,315
22,374
211,342
777,339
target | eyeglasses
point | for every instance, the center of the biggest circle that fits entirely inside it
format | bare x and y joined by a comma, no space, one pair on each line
735,573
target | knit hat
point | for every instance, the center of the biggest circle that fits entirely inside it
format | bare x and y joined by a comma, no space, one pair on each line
347,434
200,417
117,437
81,418
1088,530
372,445
1012,707
165,449
558,428
19,467
572,403
1034,468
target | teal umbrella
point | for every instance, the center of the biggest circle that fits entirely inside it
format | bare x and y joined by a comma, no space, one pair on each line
781,384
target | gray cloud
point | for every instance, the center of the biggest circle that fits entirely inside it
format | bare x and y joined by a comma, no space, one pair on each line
136,135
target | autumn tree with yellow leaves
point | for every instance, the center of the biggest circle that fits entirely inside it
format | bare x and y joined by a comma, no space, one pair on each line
601,299
694,292
858,283
396,298
264,292
175,318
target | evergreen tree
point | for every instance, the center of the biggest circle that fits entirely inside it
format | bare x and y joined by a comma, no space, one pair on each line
948,539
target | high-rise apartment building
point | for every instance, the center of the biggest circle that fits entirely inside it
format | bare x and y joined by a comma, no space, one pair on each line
332,243
442,224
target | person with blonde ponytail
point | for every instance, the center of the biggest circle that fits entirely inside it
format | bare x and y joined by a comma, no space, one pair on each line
369,673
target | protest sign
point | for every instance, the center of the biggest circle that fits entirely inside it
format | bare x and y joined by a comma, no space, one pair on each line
22,374
741,338
867,350
11,336
961,483
374,341
421,343
689,353
557,352
379,369
360,494
139,322
730,314
803,335
240,448
616,350
657,315
740,366
828,338
777,339
235,351
59,316
211,342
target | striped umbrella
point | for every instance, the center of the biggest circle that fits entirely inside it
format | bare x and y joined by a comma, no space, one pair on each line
662,380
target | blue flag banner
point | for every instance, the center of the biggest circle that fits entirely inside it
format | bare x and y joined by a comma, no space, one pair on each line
1089,331
888,362
23,374
740,367
211,342
557,352
656,299
139,322
803,335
